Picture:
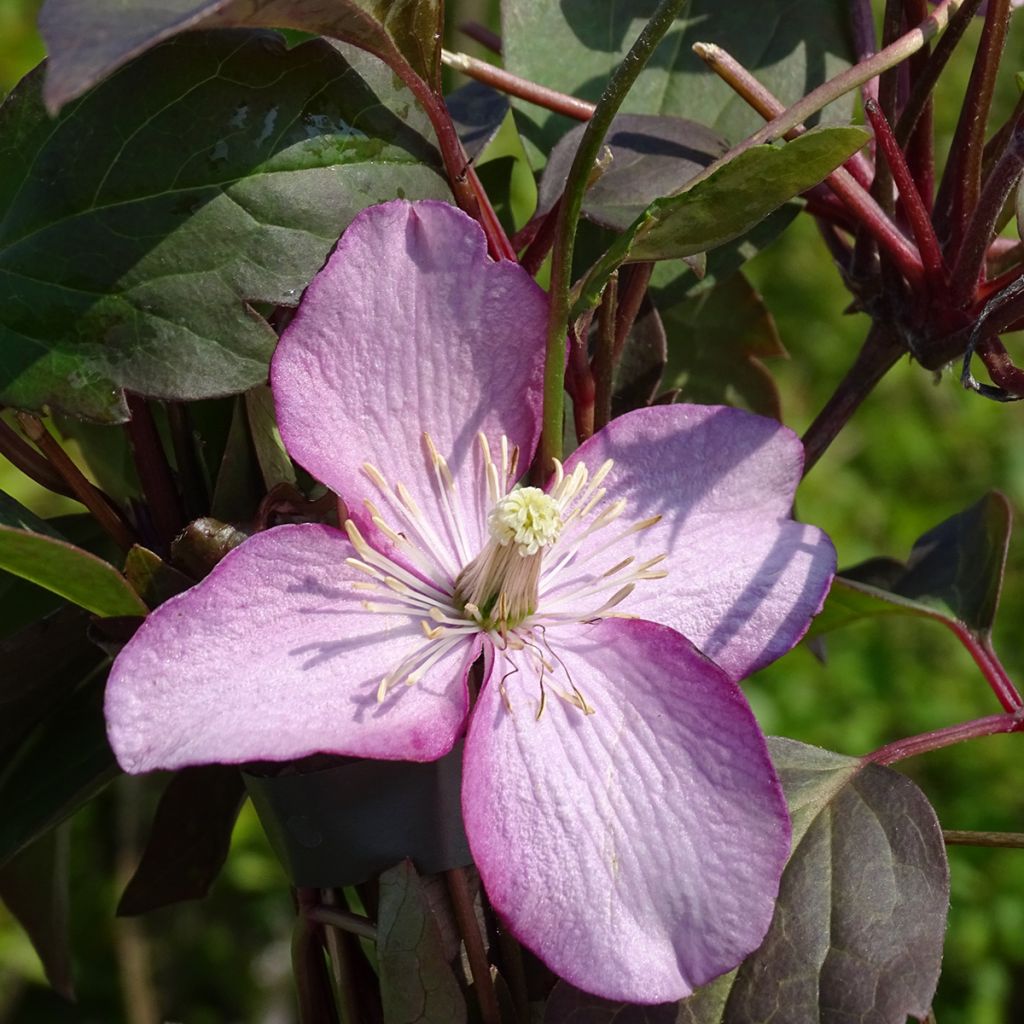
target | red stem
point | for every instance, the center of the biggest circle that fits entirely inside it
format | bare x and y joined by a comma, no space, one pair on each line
913,206
991,725
481,34
991,668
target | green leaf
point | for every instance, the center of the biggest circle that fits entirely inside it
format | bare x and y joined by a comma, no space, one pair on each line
86,41
34,885
417,985
274,462
72,573
215,171
861,915
717,341
152,578
724,204
573,46
65,763
189,840
15,515
954,575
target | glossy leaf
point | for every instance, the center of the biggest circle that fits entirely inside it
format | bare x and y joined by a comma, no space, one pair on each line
954,574
573,46
725,204
72,573
647,158
64,764
189,840
417,985
861,915
717,341
34,886
214,171
86,41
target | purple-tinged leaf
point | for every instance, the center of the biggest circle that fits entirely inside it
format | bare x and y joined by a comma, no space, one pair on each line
34,886
638,375
87,41
189,840
574,45
718,340
133,264
478,112
954,574
63,764
651,157
861,915
568,1005
417,985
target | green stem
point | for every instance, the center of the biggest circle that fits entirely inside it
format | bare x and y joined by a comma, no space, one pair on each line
614,93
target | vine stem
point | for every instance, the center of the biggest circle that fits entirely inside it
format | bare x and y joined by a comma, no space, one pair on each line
465,918
923,743
504,81
991,668
23,456
960,837
83,490
845,82
614,93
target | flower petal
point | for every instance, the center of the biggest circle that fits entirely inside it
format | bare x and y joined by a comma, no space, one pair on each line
637,850
273,657
411,328
744,579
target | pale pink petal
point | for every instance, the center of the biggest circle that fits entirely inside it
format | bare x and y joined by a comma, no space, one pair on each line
637,850
411,327
272,657
744,579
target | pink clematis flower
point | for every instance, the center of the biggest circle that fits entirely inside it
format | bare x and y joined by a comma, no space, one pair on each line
618,797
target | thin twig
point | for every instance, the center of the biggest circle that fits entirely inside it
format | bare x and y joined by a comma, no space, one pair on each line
89,496
513,85
924,743
154,472
481,34
462,905
24,457
337,917
960,837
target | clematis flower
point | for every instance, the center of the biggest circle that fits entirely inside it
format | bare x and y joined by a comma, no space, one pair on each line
618,797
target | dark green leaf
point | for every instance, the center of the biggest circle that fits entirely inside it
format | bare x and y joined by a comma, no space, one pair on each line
861,914
65,763
137,229
86,41
417,985
72,573
34,885
568,1005
954,574
573,46
239,487
717,341
651,157
15,515
189,840
152,578
42,664
639,373
275,464
725,204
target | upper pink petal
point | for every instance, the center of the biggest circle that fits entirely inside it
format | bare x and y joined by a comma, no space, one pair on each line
637,850
273,657
412,328
744,579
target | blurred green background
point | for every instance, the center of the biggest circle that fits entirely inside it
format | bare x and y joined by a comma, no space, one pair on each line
920,450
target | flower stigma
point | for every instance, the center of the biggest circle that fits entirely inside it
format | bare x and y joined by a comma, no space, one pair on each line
499,587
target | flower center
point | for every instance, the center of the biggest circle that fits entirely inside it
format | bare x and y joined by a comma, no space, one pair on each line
498,588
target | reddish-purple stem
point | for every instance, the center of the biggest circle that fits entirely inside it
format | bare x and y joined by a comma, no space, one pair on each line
913,206
862,20
991,668
154,472
991,725
24,457
961,181
481,34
